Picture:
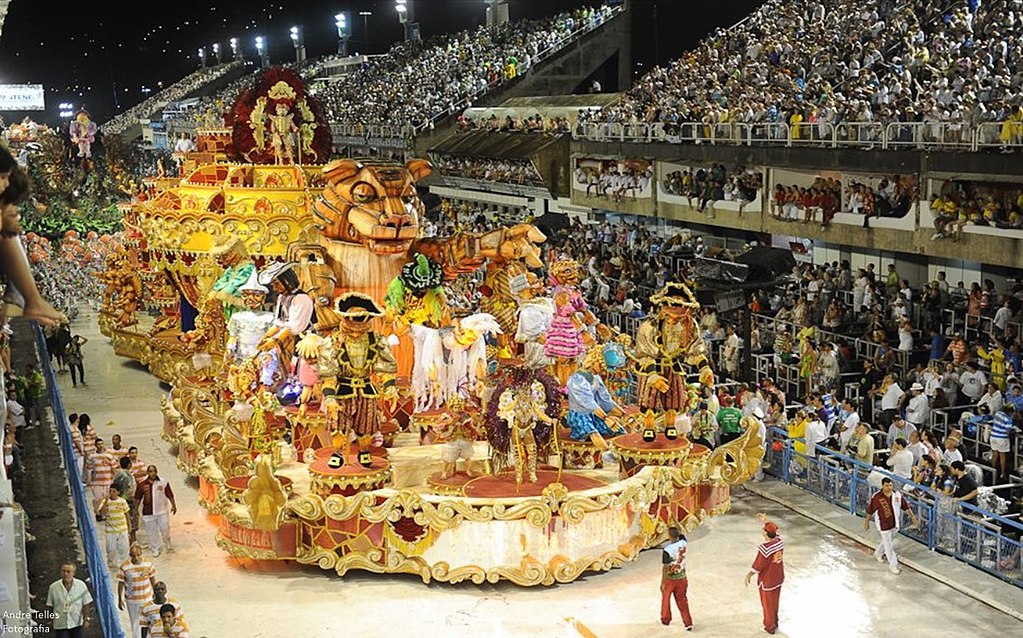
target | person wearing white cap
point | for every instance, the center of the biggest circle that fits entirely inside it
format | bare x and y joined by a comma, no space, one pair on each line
918,409
245,329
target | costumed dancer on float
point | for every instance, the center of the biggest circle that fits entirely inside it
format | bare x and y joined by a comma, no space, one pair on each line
293,314
592,413
83,133
458,432
668,347
521,420
245,329
238,267
536,313
522,408
348,361
770,572
565,341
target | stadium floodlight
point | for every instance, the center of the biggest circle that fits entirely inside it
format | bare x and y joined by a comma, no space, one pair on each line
236,50
264,59
216,51
202,57
343,32
299,42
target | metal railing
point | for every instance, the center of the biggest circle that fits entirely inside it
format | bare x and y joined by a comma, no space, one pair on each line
958,136
963,531
102,589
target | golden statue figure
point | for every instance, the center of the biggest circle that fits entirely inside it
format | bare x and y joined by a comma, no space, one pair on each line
265,496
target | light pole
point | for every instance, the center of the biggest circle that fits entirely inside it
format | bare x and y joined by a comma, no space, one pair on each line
261,50
497,12
407,18
299,42
343,33
202,57
236,50
365,26
216,52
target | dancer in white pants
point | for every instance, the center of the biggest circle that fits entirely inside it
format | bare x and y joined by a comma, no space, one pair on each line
154,499
886,507
114,509
136,579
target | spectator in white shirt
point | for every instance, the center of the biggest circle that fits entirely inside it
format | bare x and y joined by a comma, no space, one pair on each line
890,396
1002,316
951,453
972,383
901,460
816,433
918,409
992,399
849,423
916,447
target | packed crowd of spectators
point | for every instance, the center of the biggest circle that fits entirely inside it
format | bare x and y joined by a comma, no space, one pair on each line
417,82
179,90
535,123
702,186
961,203
507,171
893,197
800,67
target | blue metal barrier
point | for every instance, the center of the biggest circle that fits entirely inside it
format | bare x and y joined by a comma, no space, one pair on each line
963,531
102,590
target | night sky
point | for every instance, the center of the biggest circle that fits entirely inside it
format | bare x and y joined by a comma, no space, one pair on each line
86,52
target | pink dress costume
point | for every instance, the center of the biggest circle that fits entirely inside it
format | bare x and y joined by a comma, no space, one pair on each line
564,339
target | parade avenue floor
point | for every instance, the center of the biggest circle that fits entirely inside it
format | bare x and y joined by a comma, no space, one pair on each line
832,583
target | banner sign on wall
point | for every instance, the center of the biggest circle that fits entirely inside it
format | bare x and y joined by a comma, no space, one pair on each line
21,97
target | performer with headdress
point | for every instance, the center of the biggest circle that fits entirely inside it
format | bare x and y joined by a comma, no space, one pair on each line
293,314
83,133
245,329
668,347
536,313
565,341
520,422
348,362
770,571
232,255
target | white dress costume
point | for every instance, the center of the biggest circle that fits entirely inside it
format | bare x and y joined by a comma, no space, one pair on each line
442,364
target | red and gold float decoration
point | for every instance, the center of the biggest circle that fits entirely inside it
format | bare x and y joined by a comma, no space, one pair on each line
345,405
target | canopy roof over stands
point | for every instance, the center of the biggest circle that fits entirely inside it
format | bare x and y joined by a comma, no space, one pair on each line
495,145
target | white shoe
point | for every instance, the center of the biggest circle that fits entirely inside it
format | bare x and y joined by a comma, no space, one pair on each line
896,571
879,559
156,553
169,549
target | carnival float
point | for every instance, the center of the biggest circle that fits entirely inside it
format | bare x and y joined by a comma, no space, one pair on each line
353,395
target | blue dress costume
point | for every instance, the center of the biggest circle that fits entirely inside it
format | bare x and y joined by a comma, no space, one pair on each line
587,392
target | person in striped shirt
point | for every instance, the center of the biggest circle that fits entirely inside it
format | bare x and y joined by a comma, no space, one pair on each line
1001,430
168,627
115,512
138,466
102,466
151,610
136,579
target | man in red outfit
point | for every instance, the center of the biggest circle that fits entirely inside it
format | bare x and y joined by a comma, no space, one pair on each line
673,578
770,573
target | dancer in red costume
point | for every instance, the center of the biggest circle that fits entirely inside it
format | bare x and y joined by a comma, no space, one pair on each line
770,571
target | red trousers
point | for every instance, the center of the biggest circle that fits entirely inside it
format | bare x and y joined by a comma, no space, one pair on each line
769,601
676,588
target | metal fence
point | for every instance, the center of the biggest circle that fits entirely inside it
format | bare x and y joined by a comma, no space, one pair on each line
963,531
102,590
956,136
